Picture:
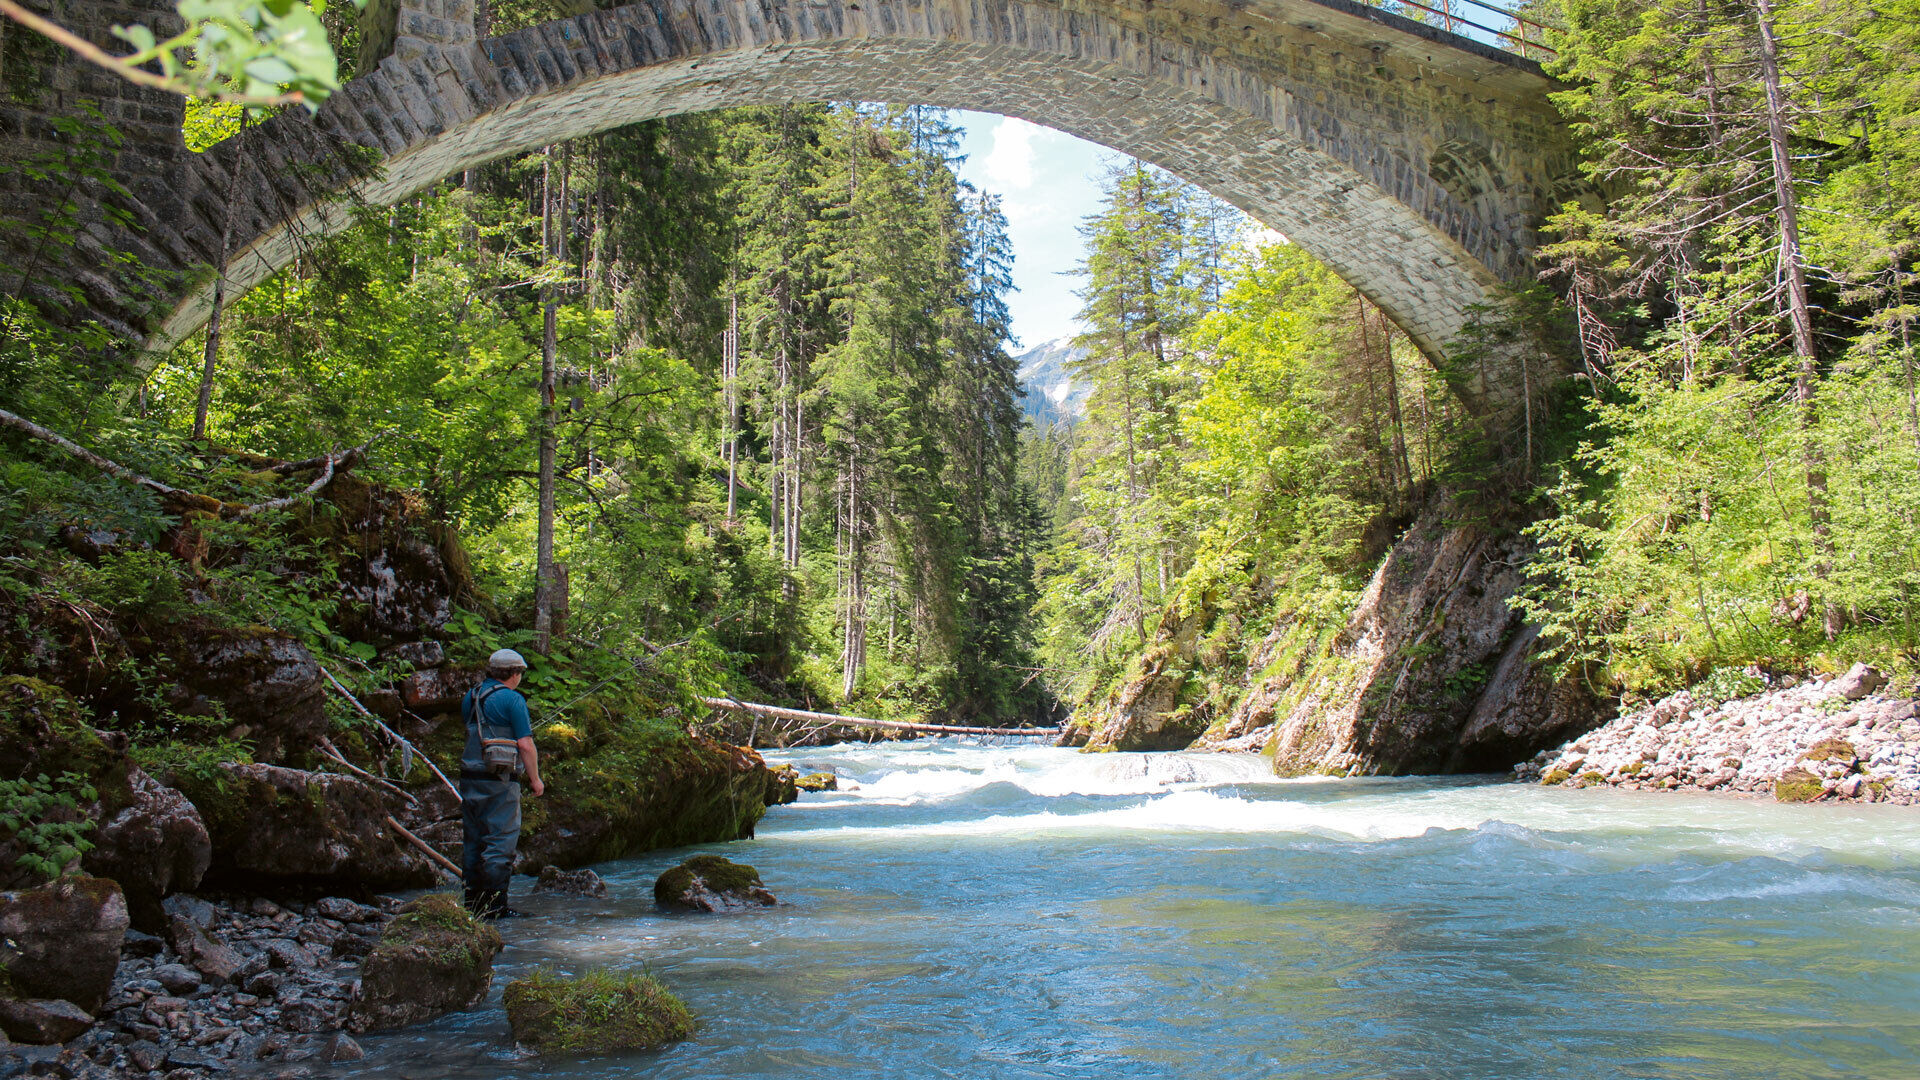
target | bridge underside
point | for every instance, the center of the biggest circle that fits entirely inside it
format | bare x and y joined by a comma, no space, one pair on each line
1415,166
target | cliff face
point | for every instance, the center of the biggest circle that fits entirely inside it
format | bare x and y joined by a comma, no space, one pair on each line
1430,672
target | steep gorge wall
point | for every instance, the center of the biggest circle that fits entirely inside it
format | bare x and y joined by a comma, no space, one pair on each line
1431,672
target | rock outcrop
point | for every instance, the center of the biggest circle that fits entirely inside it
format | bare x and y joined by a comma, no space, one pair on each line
61,941
262,680
711,883
1802,741
45,733
1429,673
154,846
691,790
278,829
435,958
1151,709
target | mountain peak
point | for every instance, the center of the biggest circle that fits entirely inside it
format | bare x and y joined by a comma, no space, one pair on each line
1054,396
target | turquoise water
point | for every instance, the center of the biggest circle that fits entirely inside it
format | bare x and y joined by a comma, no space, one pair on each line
982,911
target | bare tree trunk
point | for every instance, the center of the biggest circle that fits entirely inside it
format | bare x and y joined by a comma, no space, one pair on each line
212,355
1393,411
1799,308
730,366
776,477
543,577
853,654
795,456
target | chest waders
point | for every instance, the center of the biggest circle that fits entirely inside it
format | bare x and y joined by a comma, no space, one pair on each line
489,813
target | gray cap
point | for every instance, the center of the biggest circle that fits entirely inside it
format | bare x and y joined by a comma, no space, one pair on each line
506,658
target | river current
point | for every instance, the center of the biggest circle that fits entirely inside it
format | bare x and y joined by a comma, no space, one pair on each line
985,911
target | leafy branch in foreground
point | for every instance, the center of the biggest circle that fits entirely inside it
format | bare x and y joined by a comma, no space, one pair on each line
246,52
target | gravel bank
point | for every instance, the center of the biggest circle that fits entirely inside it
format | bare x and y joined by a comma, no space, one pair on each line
1821,738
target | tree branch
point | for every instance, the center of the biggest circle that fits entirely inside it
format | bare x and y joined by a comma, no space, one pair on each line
92,53
190,500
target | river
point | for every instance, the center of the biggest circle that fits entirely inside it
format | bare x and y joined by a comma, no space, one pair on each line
1000,912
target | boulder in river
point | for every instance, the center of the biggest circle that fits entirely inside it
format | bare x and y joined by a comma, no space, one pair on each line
819,781
711,883
626,791
434,958
570,882
597,1013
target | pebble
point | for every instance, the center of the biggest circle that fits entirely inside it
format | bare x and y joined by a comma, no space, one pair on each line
165,1021
1745,745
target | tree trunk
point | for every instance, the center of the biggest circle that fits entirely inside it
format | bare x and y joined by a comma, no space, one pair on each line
212,355
730,366
543,581
1799,309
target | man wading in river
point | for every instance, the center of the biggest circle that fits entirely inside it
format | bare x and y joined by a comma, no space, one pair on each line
499,751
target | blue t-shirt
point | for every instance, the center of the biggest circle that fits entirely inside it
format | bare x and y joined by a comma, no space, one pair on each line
505,718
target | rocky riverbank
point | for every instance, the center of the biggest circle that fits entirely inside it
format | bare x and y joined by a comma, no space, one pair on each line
1839,738
230,984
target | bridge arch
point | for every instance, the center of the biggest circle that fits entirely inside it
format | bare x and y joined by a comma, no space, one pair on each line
1415,163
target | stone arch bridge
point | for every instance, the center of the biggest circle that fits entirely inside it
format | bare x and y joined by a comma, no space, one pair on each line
1416,163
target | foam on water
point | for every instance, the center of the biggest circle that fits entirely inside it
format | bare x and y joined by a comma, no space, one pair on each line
904,778
1033,913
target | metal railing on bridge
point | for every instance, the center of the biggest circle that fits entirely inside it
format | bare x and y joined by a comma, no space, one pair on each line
1510,30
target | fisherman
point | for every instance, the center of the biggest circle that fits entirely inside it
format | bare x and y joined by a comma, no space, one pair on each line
499,752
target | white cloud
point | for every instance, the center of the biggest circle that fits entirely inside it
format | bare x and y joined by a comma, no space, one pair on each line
1009,165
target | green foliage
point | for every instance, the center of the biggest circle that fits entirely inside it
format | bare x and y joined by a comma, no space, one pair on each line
44,819
1248,435
195,763
255,49
1739,500
1726,684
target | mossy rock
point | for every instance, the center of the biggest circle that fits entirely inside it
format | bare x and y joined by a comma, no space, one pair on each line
1796,786
711,883
1831,750
1593,776
819,781
434,958
635,782
43,730
1555,776
596,1013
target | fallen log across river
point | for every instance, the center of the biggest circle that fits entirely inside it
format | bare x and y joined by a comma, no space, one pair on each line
779,713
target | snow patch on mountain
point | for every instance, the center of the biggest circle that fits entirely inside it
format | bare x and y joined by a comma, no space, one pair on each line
1054,395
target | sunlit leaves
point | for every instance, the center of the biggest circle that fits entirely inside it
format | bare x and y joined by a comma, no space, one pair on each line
255,51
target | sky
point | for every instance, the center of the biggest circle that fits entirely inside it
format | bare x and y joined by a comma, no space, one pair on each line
1048,182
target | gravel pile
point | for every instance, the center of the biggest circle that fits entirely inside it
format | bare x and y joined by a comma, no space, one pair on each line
248,987
1822,738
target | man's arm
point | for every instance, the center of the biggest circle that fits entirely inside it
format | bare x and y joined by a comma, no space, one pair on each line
523,734
531,759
